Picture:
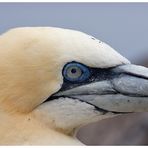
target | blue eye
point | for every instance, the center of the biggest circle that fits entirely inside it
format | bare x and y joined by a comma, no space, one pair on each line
76,72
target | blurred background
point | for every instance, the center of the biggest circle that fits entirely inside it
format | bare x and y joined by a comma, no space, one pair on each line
124,26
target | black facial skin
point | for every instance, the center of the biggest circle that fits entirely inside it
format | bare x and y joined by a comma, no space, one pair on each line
96,74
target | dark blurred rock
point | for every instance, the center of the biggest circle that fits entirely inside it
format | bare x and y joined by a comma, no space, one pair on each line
129,129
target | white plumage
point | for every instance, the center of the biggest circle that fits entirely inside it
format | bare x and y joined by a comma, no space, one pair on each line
31,63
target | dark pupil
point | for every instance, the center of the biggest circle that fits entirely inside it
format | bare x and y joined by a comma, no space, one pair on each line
73,70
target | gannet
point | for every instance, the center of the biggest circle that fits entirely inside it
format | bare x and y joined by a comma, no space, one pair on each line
54,80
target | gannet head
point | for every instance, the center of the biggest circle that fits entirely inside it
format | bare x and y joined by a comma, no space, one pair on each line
66,78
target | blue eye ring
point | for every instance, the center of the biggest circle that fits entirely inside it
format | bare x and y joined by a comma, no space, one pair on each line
85,73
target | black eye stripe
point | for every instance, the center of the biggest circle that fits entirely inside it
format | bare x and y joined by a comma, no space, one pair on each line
96,74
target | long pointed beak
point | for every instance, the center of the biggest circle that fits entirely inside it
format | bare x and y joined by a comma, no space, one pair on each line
127,91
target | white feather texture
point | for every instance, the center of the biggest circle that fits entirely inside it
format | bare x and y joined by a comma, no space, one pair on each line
31,63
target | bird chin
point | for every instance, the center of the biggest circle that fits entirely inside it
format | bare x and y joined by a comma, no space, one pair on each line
90,100
70,113
116,103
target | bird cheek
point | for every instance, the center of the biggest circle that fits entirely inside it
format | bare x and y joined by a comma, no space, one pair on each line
51,85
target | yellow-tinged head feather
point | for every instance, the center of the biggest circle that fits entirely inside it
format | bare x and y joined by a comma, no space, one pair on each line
31,62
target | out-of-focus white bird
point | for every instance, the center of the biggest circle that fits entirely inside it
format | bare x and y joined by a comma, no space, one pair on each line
52,81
